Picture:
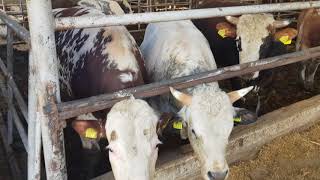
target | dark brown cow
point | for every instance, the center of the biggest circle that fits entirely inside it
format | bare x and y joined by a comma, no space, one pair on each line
93,61
308,37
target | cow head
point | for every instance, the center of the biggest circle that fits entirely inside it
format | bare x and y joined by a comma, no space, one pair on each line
118,7
254,35
131,132
208,118
90,131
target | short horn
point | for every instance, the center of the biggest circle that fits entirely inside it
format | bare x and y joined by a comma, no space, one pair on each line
185,99
232,20
236,95
281,23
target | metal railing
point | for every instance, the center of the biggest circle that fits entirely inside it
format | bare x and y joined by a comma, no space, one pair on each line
45,114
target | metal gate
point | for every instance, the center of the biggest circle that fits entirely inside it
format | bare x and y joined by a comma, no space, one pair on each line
45,114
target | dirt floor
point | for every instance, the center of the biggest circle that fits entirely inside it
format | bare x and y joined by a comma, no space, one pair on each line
293,157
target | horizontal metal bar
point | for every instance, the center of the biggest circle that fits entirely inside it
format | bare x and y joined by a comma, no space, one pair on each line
75,108
126,19
21,32
21,103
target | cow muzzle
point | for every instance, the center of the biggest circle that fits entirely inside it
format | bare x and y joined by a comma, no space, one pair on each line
217,175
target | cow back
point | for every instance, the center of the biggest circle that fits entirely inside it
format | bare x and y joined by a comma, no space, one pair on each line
94,61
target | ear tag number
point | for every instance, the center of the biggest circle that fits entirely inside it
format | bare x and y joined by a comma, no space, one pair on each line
177,125
91,133
222,33
285,40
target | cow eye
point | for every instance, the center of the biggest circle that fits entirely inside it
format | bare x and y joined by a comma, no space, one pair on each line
238,43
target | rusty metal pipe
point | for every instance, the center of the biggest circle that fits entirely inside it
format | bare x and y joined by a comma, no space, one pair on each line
21,32
44,90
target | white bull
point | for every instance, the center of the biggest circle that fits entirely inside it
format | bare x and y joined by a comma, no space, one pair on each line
175,49
131,132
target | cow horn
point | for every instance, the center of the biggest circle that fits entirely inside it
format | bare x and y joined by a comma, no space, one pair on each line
236,95
185,99
232,19
281,23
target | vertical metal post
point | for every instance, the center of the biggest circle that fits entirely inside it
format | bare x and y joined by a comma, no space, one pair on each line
34,128
21,10
139,11
10,94
43,91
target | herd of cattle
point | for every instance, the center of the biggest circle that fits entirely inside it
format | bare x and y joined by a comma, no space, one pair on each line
104,60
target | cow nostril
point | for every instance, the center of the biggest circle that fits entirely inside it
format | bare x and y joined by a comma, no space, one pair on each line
211,175
217,175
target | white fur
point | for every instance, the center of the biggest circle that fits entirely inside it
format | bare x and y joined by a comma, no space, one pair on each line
175,49
134,151
252,28
101,5
126,77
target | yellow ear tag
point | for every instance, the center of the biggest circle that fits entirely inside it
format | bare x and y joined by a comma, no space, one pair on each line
237,119
285,40
91,133
177,125
222,33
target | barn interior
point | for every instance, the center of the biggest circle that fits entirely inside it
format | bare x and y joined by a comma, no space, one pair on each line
285,92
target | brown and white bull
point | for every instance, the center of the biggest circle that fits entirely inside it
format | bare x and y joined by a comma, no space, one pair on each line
308,37
176,49
103,60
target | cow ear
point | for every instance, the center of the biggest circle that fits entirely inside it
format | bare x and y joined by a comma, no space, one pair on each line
236,95
184,130
185,99
163,122
226,30
88,129
286,35
244,116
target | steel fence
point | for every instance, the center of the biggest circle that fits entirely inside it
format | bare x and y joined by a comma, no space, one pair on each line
45,114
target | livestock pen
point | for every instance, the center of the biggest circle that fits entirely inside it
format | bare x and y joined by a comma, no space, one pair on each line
45,114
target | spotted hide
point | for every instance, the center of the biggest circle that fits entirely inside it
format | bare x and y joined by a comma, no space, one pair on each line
308,37
242,39
92,62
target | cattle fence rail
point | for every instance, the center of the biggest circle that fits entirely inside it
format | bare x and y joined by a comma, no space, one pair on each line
45,113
